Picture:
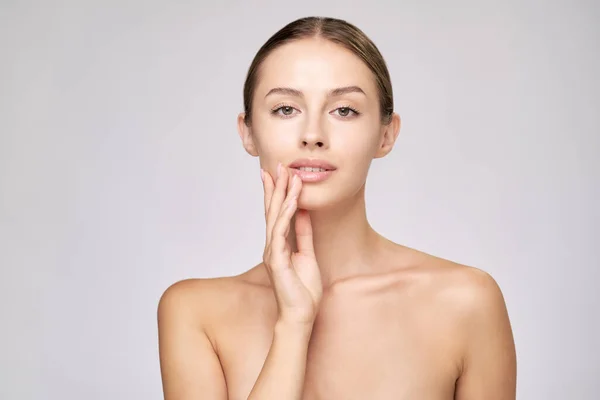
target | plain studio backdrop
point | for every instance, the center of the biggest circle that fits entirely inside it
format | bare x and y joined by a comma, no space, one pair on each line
121,172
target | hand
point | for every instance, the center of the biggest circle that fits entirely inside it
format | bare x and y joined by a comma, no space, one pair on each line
295,277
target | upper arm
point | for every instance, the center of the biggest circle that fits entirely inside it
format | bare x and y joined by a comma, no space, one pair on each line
190,368
489,365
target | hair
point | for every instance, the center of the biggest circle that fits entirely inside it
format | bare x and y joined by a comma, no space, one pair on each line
337,31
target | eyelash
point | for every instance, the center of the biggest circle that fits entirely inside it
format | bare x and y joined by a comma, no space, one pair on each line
276,110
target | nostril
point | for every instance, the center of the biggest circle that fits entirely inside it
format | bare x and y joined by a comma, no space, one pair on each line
318,144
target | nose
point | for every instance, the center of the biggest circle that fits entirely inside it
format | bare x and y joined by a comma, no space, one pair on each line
314,136
312,143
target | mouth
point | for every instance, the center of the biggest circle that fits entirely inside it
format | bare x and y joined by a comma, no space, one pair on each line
311,170
312,165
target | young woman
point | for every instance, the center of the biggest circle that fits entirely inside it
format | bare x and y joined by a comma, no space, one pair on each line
335,311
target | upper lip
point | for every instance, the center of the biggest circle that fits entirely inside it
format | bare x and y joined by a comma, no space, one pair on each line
313,163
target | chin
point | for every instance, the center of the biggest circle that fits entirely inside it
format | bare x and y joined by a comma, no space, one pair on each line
314,200
313,205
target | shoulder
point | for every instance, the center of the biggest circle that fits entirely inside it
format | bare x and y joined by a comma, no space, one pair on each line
475,305
481,328
189,313
203,301
471,290
466,290
468,293
186,292
191,302
475,302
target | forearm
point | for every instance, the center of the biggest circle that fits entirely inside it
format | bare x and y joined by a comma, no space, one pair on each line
282,375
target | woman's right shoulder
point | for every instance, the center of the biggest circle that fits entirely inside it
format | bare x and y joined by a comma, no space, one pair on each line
194,298
206,300
191,314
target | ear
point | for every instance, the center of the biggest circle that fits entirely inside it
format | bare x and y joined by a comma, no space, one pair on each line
245,133
389,135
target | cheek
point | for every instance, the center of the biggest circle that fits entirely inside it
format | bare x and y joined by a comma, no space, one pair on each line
358,144
268,144
356,157
273,145
272,137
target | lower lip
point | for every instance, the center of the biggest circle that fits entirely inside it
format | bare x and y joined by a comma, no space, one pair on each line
310,176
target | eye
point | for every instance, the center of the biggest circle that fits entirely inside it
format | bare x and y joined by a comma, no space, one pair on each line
284,111
346,111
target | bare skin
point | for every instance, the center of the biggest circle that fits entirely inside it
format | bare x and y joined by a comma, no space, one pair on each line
335,310
426,330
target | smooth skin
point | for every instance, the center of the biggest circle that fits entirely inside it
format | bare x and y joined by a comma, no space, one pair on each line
335,310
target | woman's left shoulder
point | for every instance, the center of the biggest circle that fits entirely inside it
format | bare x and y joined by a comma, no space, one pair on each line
474,305
471,290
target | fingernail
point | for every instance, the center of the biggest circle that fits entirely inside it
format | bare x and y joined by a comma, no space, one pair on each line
262,175
278,169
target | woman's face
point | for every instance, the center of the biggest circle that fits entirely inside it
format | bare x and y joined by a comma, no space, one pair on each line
315,100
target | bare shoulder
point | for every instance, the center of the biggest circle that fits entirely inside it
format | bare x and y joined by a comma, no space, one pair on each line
462,288
468,293
447,285
474,300
482,329
189,314
192,297
203,302
468,288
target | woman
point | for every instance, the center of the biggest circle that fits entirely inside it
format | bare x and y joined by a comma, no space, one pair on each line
335,311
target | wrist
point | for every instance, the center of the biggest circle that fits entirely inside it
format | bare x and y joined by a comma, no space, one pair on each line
298,330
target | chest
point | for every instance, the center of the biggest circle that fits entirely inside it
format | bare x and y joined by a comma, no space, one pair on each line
359,361
355,353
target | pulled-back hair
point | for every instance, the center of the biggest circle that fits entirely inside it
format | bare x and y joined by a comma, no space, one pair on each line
337,31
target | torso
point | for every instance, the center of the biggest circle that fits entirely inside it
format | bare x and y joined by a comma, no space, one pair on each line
395,335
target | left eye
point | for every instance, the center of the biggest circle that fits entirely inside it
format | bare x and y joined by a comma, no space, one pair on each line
286,110
344,111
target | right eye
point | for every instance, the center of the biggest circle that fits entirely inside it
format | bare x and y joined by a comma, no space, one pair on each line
284,111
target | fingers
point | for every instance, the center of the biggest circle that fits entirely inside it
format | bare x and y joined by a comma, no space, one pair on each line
268,186
304,234
282,224
277,198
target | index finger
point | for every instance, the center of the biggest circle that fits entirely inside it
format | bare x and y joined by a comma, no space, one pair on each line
268,186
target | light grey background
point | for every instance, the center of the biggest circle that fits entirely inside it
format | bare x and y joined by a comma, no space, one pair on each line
121,172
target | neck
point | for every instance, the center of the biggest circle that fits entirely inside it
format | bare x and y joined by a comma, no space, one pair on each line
345,244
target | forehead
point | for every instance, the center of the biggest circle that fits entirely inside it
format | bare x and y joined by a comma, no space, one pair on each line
314,65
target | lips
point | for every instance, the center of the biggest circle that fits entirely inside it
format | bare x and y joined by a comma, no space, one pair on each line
312,163
312,170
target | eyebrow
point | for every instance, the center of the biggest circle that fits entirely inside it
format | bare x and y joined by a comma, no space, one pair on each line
332,93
